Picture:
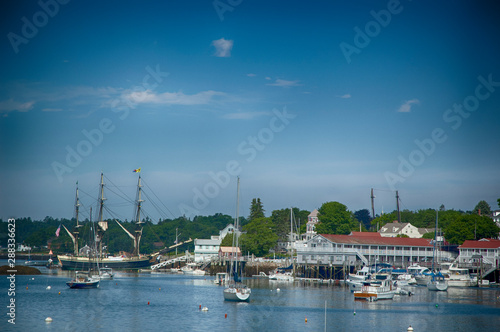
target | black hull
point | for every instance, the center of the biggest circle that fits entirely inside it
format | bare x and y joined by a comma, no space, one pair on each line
78,263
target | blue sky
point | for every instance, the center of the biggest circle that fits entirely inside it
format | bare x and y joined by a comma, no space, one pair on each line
306,102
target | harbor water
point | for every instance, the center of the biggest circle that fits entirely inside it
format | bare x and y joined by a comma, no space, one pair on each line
171,302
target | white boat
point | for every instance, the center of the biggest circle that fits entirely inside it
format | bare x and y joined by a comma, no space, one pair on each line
106,273
379,288
458,277
437,281
281,276
220,278
360,275
261,275
83,280
235,289
192,269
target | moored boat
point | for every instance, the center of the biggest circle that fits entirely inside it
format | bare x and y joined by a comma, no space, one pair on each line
380,288
83,280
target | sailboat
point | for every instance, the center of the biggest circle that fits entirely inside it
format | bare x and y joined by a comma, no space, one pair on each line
83,279
437,281
235,290
77,261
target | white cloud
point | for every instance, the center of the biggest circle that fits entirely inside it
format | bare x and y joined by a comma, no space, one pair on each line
284,83
268,78
173,98
223,47
52,110
346,96
11,105
244,115
251,75
406,107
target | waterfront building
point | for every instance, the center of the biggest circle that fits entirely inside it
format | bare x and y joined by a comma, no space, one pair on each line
487,250
208,249
227,252
360,248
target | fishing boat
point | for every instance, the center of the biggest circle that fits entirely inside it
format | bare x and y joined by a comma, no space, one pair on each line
83,280
82,262
192,269
458,277
106,273
380,287
235,289
437,281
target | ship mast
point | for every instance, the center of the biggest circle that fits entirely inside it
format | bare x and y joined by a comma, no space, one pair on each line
139,222
76,231
103,225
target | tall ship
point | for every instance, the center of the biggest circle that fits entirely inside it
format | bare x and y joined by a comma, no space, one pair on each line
80,261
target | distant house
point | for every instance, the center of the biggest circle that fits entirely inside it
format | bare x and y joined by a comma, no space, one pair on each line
227,252
312,220
22,247
395,228
495,215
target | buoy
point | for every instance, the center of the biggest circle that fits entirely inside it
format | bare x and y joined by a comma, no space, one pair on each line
225,315
204,309
148,302
410,328
159,288
437,305
48,287
26,287
277,289
354,312
59,293
306,319
48,319
200,307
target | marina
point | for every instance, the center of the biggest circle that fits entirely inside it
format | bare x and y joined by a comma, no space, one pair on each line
144,301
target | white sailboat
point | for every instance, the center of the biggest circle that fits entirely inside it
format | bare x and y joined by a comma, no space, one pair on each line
235,290
437,281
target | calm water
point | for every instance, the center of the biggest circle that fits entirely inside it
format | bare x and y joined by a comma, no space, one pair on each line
122,305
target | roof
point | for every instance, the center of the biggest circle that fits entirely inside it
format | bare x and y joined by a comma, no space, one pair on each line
366,234
426,230
483,244
389,227
206,242
385,241
314,213
229,249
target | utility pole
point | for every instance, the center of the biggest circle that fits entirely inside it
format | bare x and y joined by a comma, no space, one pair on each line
373,207
397,203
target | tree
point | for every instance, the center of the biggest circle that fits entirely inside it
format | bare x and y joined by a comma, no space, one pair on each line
227,241
364,217
482,208
334,218
470,227
498,201
256,210
259,237
442,208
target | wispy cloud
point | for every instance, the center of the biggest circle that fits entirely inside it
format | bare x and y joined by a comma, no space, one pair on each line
173,98
223,47
52,110
268,78
284,83
251,75
406,107
244,115
346,96
12,105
